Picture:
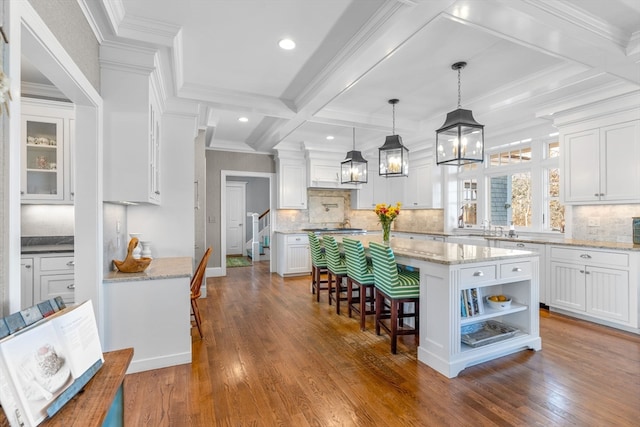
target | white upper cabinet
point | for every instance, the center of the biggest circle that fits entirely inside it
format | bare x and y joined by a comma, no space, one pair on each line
601,157
603,164
292,181
323,170
47,143
132,125
423,185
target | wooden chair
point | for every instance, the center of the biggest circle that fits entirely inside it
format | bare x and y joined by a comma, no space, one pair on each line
360,274
318,266
337,268
196,283
399,288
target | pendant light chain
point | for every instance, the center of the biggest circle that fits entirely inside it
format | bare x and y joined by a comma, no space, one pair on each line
393,127
354,139
459,91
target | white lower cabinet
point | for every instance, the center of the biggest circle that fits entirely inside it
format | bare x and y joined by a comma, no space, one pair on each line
598,285
294,257
46,276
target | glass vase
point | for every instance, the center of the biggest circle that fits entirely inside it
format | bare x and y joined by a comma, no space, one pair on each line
386,229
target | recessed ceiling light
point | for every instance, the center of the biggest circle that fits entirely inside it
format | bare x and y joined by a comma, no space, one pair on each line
287,44
243,119
554,134
330,137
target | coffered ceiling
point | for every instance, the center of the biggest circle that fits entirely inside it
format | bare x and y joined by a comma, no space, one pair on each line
527,59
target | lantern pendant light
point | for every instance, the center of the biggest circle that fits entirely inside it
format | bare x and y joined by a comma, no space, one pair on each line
393,156
460,140
354,167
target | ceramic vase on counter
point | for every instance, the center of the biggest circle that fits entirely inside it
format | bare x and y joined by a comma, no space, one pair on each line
146,249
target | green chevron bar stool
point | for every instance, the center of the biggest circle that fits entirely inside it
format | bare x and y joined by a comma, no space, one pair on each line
360,273
337,268
318,266
399,288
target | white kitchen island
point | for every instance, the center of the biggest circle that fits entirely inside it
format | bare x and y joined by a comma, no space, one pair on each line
150,312
446,269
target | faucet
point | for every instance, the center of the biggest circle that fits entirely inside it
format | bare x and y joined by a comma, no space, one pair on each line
501,232
486,227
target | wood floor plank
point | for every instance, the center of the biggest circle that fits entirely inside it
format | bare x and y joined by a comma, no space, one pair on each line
273,356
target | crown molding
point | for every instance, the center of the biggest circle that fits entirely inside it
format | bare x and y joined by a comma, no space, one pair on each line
28,89
593,24
92,20
148,30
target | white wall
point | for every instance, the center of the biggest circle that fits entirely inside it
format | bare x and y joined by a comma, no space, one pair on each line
170,226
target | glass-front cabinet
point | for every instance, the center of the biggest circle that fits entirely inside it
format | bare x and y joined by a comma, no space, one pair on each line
43,159
47,141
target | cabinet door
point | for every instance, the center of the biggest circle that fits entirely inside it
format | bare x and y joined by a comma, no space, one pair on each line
419,188
154,153
292,190
581,179
42,158
298,259
608,293
620,162
26,283
52,286
568,286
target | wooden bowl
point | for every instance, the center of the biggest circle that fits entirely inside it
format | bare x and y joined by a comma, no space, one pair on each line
131,264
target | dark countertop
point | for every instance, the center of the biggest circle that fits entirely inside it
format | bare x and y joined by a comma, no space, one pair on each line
46,244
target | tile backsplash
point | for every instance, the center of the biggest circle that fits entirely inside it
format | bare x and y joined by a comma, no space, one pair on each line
418,220
610,223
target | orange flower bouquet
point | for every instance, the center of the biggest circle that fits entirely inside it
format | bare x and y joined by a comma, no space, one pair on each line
386,215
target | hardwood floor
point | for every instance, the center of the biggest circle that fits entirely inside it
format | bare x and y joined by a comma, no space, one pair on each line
272,355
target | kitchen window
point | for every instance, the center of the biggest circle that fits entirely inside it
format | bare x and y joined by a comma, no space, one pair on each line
518,184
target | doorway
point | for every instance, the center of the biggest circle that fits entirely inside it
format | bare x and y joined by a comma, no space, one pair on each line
245,176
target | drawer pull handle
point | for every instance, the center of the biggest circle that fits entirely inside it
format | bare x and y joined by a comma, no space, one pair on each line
478,274
520,245
586,256
71,286
581,271
71,263
518,269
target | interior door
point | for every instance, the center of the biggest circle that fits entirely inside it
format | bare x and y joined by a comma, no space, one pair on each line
236,217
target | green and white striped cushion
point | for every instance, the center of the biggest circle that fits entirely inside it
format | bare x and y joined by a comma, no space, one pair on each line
386,276
318,257
357,267
335,262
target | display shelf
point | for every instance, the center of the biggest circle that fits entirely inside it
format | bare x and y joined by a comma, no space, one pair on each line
464,348
490,313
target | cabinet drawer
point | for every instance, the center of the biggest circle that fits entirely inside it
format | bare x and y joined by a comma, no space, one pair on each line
57,285
515,269
586,256
472,276
298,239
58,263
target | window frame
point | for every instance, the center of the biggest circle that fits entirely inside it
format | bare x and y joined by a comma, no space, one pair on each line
537,167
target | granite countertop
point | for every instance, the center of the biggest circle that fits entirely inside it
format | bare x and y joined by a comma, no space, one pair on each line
570,242
442,253
46,244
160,268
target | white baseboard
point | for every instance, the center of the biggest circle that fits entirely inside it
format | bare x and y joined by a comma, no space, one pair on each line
214,272
158,362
